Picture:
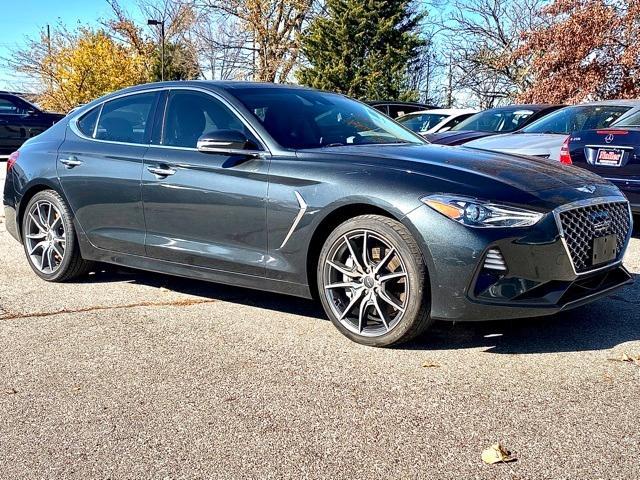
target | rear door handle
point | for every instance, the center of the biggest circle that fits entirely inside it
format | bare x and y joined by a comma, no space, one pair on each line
70,162
161,171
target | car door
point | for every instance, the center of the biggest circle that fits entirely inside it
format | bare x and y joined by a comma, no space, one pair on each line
207,210
12,132
100,169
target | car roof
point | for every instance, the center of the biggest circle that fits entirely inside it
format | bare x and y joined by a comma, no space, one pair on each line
622,102
445,111
536,107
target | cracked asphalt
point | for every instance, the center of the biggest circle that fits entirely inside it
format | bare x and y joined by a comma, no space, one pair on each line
127,374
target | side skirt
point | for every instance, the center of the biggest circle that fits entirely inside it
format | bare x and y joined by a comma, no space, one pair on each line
90,252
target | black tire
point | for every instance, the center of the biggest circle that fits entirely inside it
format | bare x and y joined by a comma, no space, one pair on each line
413,302
72,264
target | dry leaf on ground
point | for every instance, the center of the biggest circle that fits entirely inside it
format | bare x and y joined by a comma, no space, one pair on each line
430,365
496,453
626,358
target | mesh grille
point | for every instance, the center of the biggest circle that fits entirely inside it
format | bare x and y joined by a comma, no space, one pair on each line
582,225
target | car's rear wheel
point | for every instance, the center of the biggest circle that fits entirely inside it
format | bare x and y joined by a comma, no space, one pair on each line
49,238
373,283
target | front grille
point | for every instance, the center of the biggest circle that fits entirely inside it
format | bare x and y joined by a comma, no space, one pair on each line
581,225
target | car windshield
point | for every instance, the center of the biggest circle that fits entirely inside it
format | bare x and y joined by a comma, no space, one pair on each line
421,122
497,120
633,120
576,118
298,118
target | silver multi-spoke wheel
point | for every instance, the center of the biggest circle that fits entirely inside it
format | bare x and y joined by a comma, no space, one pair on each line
366,283
45,236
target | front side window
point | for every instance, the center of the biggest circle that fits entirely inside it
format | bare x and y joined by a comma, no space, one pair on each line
190,114
298,118
501,120
8,106
421,122
573,119
126,119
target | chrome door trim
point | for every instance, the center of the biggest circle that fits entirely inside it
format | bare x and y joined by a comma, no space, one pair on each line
303,208
74,127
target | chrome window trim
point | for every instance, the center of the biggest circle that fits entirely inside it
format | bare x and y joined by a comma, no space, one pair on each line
585,203
73,123
622,179
610,146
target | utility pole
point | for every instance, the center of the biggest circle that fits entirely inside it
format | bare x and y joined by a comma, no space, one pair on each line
450,84
426,89
49,54
161,23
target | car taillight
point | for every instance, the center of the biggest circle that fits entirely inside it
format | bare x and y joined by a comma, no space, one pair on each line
565,156
12,160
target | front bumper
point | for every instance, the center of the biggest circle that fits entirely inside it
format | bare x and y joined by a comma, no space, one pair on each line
540,278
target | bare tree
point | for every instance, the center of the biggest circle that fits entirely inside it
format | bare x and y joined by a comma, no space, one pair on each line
180,21
482,36
272,29
223,47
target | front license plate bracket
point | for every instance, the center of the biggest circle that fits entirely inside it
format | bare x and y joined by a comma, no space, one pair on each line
605,249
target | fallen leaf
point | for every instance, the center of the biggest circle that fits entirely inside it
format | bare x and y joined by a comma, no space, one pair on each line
164,289
496,453
626,358
10,391
77,388
430,365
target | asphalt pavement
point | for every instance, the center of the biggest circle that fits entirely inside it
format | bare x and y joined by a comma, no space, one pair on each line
127,374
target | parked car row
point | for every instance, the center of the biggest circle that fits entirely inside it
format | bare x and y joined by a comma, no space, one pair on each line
603,137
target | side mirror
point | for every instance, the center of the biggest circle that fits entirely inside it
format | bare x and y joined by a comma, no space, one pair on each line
227,142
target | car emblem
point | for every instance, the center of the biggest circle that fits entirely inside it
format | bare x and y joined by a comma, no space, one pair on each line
587,188
608,138
601,221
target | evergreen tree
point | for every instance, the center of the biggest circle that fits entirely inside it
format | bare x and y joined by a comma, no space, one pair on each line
362,48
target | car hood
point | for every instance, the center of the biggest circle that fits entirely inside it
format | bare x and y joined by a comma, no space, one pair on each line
456,137
535,144
463,170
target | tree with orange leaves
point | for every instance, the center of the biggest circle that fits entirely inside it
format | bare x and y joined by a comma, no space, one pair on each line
585,50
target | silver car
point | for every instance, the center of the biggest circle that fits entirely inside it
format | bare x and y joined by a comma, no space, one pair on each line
544,138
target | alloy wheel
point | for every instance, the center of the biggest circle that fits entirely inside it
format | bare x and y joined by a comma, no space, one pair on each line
45,237
366,283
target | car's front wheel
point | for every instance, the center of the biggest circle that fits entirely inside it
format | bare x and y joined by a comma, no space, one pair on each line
373,283
49,238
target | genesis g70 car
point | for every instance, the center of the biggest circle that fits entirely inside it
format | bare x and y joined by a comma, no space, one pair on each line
308,193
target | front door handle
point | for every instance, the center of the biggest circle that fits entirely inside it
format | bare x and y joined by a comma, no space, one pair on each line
161,171
70,162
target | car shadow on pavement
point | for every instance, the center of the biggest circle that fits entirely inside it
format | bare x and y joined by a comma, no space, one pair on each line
601,325
598,326
213,291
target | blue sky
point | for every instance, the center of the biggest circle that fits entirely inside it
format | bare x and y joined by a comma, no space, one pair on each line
25,18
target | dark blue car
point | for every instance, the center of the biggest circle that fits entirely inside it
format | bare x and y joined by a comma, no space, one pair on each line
612,153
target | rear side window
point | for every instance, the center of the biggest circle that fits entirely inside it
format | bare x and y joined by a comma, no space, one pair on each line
87,123
126,119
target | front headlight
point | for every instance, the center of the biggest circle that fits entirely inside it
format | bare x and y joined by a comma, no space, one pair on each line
479,213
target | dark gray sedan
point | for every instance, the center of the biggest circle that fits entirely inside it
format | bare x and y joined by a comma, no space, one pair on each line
309,193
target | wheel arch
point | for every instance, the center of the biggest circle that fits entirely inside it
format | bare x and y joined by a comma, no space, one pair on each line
29,192
327,225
